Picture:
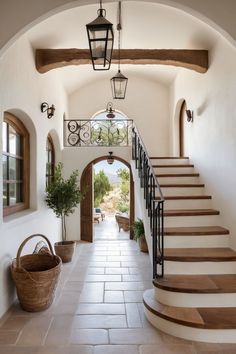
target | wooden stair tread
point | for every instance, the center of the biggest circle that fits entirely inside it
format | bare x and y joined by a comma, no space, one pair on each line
190,212
206,318
183,197
182,185
160,175
169,158
198,284
200,254
173,166
195,231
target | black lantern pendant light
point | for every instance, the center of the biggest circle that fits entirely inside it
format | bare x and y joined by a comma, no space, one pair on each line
110,158
119,81
101,39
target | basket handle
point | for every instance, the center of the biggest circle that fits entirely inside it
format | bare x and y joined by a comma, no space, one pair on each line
18,263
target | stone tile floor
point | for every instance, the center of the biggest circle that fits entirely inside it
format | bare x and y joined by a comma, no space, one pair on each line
97,310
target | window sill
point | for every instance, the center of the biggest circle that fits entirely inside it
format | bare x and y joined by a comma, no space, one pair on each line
19,218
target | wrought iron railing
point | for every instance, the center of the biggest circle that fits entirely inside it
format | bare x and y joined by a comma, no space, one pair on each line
97,132
154,201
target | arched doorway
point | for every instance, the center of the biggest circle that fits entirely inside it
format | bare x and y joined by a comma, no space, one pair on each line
86,206
182,116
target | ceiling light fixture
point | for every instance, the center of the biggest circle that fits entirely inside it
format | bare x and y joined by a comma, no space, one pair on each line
110,158
110,111
101,39
119,81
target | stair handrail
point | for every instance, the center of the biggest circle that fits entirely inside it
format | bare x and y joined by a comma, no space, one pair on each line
155,207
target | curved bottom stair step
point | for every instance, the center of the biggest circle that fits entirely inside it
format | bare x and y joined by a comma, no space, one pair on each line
198,284
223,254
205,318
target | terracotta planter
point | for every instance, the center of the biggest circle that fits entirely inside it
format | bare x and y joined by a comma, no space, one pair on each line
143,244
65,250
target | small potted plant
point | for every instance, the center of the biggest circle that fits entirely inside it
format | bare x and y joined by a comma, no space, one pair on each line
139,235
63,196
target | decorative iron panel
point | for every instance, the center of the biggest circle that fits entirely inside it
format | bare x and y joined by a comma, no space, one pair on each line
95,132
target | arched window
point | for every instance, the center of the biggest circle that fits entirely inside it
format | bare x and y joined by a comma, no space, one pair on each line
50,160
15,160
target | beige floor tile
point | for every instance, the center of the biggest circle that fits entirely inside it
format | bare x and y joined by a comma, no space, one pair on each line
103,277
117,270
133,296
15,323
59,331
34,333
53,350
105,264
133,316
125,286
101,309
114,296
67,304
89,336
100,321
95,258
116,349
132,277
144,321
134,336
167,349
8,337
19,350
81,349
92,292
129,264
96,270
73,286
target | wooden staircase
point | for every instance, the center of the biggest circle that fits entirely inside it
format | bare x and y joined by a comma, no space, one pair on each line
196,299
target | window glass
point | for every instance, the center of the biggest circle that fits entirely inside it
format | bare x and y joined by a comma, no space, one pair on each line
15,165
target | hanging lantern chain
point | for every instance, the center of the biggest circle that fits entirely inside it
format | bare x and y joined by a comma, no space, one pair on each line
119,29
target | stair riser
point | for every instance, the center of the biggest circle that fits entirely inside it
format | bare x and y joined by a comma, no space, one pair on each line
177,299
197,241
175,191
170,180
172,267
190,333
174,170
188,204
170,161
202,220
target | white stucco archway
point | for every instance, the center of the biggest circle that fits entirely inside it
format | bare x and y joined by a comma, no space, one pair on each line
12,27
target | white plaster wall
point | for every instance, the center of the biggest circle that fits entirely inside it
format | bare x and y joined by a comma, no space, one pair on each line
79,158
211,139
146,102
22,90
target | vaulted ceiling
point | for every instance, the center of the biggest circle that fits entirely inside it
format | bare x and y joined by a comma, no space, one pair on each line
144,26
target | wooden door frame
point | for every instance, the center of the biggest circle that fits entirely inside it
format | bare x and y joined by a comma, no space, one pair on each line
181,128
89,238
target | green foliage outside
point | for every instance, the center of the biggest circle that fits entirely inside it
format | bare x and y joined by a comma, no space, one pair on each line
101,187
138,228
63,195
123,174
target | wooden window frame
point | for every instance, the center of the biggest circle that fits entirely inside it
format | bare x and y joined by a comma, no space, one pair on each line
25,145
49,139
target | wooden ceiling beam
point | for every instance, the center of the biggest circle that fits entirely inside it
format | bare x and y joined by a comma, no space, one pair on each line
48,59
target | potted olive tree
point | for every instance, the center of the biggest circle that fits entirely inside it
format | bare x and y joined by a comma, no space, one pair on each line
63,196
139,235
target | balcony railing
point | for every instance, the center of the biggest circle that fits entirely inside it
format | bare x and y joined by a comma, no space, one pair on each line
95,132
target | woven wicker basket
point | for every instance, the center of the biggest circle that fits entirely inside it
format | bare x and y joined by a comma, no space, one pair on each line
36,276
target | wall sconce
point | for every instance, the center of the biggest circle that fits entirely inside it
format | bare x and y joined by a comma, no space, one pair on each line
189,115
50,110
110,111
110,158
